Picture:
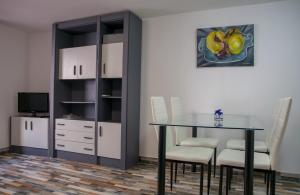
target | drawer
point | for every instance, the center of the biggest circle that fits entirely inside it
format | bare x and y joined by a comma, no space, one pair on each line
76,147
84,137
75,125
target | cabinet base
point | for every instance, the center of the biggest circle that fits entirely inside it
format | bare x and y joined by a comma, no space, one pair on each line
109,162
76,157
28,150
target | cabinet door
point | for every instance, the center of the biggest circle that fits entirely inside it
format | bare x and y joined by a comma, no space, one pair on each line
86,60
68,64
112,60
38,133
109,142
19,131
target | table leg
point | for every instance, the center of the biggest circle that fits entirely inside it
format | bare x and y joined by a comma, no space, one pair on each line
161,160
194,134
249,161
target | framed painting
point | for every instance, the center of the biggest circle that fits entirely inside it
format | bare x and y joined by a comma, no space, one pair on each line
225,46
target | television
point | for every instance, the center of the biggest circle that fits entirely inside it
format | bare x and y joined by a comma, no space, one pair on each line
33,103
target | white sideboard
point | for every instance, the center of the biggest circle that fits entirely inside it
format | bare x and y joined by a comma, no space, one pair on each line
29,132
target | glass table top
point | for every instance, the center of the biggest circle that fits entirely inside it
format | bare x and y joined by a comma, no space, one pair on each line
243,122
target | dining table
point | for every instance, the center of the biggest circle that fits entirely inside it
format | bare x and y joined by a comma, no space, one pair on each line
247,123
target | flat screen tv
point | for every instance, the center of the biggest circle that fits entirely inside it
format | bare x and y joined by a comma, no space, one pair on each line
33,102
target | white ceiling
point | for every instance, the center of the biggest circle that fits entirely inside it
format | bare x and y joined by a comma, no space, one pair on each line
38,15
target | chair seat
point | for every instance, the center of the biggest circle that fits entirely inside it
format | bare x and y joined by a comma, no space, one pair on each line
190,154
200,142
236,158
239,144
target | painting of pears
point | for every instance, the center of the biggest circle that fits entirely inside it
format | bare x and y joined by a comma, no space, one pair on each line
225,46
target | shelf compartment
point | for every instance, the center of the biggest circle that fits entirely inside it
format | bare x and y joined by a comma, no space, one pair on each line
112,87
112,27
111,110
79,91
112,38
81,111
82,32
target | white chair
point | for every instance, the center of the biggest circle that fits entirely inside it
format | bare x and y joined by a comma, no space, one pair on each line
182,138
180,154
264,162
259,146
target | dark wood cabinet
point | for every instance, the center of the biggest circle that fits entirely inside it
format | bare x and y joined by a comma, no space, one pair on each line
113,96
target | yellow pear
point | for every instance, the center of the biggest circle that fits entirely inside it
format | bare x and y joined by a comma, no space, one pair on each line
215,41
236,43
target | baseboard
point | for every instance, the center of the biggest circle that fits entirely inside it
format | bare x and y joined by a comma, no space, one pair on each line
2,150
148,160
28,150
291,175
71,156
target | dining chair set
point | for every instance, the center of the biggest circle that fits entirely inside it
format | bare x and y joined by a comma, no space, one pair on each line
181,148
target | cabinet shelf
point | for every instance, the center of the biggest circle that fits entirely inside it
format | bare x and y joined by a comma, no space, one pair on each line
77,102
77,118
111,121
111,97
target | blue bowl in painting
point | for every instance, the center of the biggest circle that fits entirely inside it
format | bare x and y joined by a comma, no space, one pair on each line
211,57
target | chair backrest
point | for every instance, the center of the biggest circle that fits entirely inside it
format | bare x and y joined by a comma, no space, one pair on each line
279,130
159,113
275,117
177,111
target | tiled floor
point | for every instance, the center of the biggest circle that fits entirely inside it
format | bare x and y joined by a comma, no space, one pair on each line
21,174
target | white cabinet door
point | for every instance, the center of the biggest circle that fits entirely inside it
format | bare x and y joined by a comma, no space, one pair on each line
112,60
109,142
68,64
19,134
38,133
86,61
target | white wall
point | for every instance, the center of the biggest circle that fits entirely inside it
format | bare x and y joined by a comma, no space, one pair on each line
39,61
169,68
13,62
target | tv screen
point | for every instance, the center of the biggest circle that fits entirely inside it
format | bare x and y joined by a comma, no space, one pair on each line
33,102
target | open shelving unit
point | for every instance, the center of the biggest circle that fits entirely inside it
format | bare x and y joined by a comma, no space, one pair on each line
106,98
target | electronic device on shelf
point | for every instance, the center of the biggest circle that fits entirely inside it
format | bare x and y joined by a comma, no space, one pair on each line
33,103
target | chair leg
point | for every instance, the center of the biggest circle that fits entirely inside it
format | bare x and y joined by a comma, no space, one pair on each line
267,178
227,179
273,182
171,176
201,179
176,166
215,162
221,180
208,177
183,168
230,177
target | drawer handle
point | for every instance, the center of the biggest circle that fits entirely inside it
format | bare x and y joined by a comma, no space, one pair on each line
88,149
87,137
60,135
86,126
60,145
104,68
80,69
60,124
100,131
